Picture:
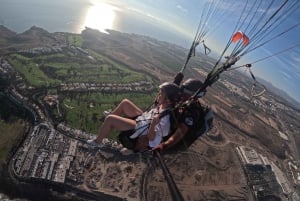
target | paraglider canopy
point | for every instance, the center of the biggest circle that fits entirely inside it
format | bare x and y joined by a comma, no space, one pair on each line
239,35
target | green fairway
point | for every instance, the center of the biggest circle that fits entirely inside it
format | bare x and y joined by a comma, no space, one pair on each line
30,70
71,66
75,40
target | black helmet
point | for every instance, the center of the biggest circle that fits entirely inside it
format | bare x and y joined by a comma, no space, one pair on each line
171,90
191,86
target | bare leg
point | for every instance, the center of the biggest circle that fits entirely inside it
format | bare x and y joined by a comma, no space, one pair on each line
114,122
127,108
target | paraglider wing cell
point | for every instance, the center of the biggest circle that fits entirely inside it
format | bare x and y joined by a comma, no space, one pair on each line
239,35
245,40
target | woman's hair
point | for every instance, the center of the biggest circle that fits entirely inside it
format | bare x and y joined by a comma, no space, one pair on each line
171,90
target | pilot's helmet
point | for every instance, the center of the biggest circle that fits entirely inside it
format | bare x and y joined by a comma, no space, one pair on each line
191,86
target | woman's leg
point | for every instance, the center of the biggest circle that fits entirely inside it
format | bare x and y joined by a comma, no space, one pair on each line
114,122
127,108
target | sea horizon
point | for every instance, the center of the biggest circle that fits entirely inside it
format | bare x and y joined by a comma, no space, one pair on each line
58,16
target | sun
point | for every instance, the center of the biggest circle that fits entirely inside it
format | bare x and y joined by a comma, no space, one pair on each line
100,16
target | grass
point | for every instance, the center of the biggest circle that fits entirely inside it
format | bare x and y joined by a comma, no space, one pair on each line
75,40
9,132
72,67
30,70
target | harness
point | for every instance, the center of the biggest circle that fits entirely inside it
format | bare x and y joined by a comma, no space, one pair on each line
198,119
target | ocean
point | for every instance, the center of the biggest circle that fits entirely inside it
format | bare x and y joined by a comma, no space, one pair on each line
74,15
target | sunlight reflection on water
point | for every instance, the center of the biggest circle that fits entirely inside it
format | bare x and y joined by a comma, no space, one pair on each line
100,16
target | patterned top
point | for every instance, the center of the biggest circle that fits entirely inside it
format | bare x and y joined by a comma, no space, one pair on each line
161,129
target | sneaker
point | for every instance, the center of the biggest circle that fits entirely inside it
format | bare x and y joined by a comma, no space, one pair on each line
124,151
106,112
93,143
105,141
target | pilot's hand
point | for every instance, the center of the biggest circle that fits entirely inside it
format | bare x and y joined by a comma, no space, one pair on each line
159,148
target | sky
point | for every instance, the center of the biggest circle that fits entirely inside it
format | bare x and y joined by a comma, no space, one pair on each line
277,61
176,21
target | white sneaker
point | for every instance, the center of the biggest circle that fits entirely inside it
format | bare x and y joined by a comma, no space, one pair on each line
106,112
105,140
93,143
124,151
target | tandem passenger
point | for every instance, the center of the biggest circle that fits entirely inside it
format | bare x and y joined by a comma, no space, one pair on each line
149,124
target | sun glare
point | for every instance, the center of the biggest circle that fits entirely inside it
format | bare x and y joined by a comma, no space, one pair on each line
100,16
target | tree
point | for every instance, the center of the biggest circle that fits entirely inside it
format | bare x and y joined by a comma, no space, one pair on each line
94,117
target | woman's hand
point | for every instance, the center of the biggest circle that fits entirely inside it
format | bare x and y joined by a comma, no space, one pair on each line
155,119
154,122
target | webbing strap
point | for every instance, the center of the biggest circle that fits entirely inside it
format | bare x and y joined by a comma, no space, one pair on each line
175,193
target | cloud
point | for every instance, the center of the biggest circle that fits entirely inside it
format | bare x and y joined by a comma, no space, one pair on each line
285,75
179,7
284,66
289,62
229,6
295,56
